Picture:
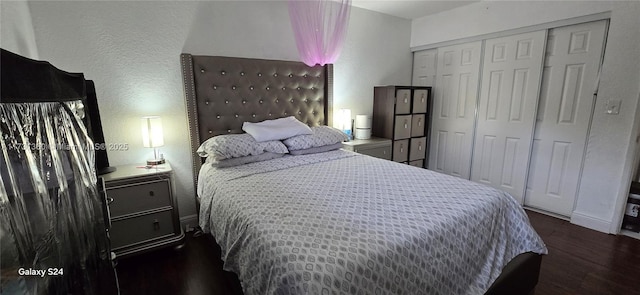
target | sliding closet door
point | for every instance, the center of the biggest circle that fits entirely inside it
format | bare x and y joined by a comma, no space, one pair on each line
424,68
454,104
566,104
511,75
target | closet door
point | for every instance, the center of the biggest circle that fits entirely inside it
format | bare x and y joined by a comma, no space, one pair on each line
424,68
511,75
453,116
566,104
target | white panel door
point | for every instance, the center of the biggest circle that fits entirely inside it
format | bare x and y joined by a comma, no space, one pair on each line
564,113
511,75
424,67
453,116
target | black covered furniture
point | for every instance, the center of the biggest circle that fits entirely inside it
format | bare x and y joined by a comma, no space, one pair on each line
54,214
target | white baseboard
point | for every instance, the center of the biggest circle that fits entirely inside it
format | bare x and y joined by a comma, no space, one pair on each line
189,222
547,213
591,222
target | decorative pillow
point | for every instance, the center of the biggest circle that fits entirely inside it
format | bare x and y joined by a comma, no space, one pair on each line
322,135
242,160
238,145
277,129
315,150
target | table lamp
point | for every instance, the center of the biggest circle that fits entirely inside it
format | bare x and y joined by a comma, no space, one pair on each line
152,137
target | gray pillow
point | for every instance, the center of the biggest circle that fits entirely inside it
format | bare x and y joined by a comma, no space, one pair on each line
315,150
243,160
321,136
238,145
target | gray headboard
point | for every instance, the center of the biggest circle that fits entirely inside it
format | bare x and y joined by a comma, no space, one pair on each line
224,92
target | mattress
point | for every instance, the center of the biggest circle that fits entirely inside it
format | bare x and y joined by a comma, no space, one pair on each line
344,223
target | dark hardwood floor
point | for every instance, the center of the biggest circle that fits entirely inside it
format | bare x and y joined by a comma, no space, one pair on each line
194,269
580,262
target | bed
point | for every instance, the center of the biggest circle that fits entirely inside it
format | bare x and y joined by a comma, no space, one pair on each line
309,224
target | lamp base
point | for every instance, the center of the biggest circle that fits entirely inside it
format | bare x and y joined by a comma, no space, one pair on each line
155,161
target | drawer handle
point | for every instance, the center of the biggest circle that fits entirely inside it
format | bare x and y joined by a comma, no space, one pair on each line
151,193
109,201
419,122
401,148
156,224
406,124
406,99
384,152
419,147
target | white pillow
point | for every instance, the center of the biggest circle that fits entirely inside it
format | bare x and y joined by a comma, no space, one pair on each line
277,129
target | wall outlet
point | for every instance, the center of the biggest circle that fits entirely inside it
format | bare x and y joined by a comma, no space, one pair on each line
189,223
188,228
613,106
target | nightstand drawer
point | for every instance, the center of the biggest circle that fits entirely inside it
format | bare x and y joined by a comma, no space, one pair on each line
381,152
134,230
134,198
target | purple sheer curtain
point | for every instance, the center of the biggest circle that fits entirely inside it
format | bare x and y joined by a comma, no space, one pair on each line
320,28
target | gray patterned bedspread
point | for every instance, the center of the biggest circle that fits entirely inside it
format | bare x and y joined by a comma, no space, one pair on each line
344,223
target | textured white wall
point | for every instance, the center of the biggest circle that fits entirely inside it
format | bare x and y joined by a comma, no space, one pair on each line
609,156
376,53
131,50
16,29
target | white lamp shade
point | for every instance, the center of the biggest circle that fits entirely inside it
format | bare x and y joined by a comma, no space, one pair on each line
345,119
152,132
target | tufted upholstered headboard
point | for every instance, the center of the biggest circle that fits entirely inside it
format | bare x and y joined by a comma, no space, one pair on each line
224,92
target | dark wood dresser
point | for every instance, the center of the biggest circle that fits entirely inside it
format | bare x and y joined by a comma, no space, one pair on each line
403,114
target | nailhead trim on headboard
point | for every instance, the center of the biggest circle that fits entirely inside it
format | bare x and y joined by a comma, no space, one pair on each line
224,92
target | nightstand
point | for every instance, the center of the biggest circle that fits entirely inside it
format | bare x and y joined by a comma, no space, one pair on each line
143,209
375,147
